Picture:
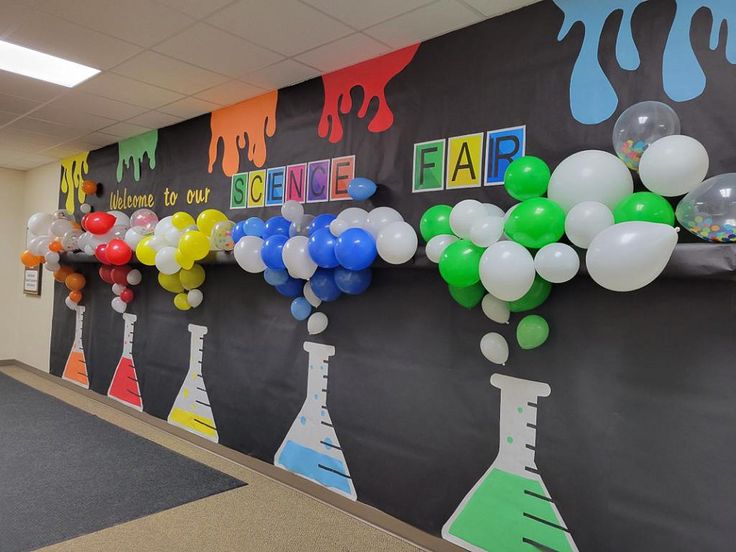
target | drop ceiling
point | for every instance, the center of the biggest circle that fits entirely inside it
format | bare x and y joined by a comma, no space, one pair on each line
164,61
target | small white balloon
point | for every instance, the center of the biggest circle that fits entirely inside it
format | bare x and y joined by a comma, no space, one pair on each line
557,263
52,257
40,223
157,243
495,348
51,267
172,236
493,210
59,227
134,277
121,219
295,255
464,214
437,245
166,260
354,216
163,226
39,245
118,305
317,323
85,208
293,211
309,295
379,218
397,242
507,270
194,298
487,230
673,165
70,304
495,309
117,289
338,226
133,236
585,221
247,253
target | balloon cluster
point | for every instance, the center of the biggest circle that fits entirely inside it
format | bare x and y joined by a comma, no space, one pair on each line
314,259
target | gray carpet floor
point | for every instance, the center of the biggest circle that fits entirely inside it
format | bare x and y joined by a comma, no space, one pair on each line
65,473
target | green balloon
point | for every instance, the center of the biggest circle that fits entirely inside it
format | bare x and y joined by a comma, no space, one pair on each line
468,296
435,221
536,295
526,177
536,222
532,331
459,263
646,207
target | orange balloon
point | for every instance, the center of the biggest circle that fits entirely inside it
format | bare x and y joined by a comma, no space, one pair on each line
75,281
29,259
75,296
61,274
89,187
56,245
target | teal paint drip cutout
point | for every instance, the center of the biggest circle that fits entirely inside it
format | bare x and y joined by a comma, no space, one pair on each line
132,150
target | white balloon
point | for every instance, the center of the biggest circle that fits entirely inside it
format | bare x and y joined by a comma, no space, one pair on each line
437,245
293,211
557,262
354,216
247,253
134,277
166,260
85,208
70,304
493,210
630,255
172,236
673,165
194,298
295,255
157,243
118,305
39,245
317,323
585,221
590,175
121,219
117,289
486,230
309,295
52,257
338,226
495,309
134,236
51,267
163,226
59,227
40,223
495,348
507,270
464,214
89,250
397,242
379,218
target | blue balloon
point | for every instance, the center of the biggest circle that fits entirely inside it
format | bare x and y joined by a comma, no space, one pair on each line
361,188
320,221
322,248
323,284
239,231
275,277
353,282
276,226
254,226
355,249
300,308
271,251
292,287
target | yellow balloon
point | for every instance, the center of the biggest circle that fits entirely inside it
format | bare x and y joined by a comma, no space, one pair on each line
208,218
182,220
145,253
183,260
192,278
181,302
170,282
194,244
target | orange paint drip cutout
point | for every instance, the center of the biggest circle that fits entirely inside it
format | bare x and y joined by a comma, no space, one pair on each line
245,124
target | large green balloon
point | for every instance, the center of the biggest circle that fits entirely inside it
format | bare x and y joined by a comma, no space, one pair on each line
526,177
532,331
646,207
536,222
469,296
435,221
459,263
536,295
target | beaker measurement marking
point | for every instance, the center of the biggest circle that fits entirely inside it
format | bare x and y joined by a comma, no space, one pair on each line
201,389
330,445
203,423
533,405
199,376
133,393
540,520
532,426
325,423
132,378
530,447
538,545
202,403
533,470
346,476
537,495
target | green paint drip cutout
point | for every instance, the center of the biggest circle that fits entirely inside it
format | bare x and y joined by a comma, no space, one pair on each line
132,150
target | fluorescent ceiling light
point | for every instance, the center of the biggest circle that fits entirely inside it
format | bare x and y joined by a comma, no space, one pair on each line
45,67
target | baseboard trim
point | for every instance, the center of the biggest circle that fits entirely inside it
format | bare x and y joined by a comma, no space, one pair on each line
363,512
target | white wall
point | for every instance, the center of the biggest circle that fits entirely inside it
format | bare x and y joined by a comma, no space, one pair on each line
11,246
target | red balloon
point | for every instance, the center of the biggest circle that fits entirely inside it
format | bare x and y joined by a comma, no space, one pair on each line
127,295
118,252
106,274
100,253
120,275
100,222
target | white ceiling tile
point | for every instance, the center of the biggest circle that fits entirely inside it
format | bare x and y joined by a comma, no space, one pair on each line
6,117
217,50
281,74
68,149
286,26
362,14
97,105
35,160
169,73
128,90
12,15
26,87
53,35
99,139
189,107
196,8
31,141
141,22
154,119
341,53
62,132
492,8
77,119
14,104
424,23
231,92
125,130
